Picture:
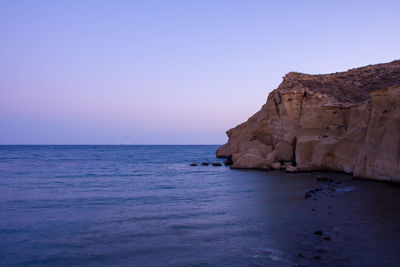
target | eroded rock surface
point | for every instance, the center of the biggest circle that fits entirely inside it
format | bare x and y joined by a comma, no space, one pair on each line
348,121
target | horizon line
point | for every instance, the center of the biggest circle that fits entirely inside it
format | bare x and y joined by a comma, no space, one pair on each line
110,144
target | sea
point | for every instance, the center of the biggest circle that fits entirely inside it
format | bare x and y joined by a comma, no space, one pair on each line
147,206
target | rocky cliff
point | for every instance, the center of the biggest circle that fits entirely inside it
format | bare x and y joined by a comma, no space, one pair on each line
347,121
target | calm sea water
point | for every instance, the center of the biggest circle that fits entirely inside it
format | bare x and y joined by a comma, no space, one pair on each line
145,206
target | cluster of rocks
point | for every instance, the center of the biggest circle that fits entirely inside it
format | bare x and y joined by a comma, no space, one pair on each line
327,186
318,250
289,166
227,162
324,237
217,164
348,121
327,189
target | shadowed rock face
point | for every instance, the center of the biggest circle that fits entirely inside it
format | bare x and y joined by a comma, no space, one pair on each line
348,121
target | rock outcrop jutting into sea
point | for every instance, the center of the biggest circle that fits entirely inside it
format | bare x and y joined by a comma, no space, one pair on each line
346,121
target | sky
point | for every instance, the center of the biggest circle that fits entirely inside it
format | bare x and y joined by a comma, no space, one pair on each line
170,72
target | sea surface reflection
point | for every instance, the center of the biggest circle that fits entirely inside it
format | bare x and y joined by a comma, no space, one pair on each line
146,206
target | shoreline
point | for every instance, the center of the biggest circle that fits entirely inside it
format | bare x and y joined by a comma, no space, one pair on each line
389,181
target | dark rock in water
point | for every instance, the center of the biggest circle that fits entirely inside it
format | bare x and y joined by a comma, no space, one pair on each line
322,250
309,193
315,190
205,163
193,164
323,179
228,162
300,255
217,164
327,238
318,233
318,257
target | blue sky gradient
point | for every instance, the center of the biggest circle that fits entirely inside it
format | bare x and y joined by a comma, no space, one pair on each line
169,72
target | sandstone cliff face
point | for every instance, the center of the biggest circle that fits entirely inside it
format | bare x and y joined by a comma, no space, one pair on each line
347,121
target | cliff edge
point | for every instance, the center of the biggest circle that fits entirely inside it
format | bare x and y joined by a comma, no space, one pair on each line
346,121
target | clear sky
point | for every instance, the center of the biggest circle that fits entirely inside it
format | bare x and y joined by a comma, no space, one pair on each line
169,72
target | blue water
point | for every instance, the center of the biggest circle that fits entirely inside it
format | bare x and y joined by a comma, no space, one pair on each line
146,206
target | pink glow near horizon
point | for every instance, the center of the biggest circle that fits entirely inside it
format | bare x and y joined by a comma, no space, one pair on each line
172,72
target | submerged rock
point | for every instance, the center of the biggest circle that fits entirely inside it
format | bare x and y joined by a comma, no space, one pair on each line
193,164
205,163
323,179
347,121
217,164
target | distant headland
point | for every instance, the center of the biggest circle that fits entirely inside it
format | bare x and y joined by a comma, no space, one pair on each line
345,121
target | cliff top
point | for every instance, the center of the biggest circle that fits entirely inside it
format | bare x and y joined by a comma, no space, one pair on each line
352,86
